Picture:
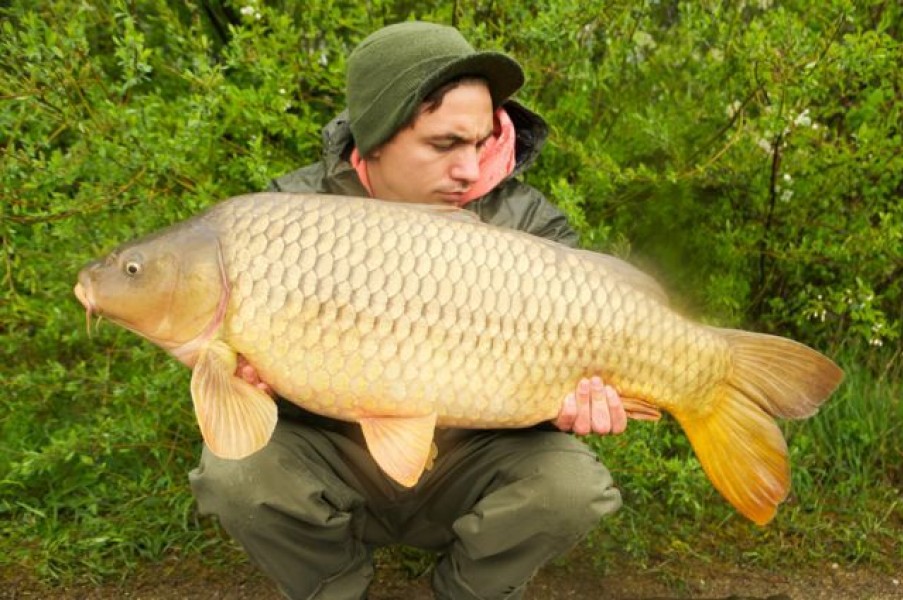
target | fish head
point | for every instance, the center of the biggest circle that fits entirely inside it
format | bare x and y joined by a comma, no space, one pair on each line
169,287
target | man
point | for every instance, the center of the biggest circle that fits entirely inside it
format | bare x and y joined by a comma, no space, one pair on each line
429,120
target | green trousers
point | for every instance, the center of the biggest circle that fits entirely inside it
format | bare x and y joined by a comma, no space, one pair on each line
497,505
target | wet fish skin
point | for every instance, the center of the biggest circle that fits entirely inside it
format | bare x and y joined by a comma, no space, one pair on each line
405,318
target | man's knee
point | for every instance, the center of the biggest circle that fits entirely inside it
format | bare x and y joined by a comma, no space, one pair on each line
232,490
296,521
277,482
575,492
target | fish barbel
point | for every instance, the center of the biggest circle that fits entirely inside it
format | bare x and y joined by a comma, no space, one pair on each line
404,318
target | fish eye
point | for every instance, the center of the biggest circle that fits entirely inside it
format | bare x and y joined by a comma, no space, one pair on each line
132,268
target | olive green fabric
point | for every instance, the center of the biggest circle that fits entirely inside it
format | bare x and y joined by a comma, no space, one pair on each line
310,507
395,68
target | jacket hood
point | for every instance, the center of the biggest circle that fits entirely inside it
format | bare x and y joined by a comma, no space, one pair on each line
531,133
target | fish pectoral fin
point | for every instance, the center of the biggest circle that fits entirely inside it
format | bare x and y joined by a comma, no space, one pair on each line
640,410
401,446
236,418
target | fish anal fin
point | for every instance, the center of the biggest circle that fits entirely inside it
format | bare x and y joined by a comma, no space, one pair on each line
236,418
401,446
640,410
743,452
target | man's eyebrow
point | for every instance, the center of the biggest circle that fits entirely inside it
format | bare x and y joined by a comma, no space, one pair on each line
457,139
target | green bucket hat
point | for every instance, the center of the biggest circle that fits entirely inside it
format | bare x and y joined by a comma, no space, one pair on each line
395,68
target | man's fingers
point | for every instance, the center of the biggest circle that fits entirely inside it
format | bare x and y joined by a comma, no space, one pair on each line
568,413
584,422
248,373
601,415
245,371
616,412
593,408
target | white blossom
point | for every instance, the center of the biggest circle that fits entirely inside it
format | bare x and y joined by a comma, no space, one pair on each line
250,11
803,119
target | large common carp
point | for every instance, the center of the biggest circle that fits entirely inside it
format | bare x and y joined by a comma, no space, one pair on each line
404,318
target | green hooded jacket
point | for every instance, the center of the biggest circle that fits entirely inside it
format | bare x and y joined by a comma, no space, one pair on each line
511,204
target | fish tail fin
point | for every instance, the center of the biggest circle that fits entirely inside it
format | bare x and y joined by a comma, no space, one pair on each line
739,444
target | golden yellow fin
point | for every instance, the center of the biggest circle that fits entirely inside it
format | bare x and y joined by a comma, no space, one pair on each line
735,437
743,453
401,446
236,418
785,378
640,410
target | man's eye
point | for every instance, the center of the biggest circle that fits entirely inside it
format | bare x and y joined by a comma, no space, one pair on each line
442,147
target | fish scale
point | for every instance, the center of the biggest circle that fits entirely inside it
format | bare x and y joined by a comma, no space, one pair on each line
405,318
494,317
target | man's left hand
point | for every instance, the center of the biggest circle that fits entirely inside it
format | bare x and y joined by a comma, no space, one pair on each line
593,408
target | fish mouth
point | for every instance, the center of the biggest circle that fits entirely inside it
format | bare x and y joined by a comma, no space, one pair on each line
84,295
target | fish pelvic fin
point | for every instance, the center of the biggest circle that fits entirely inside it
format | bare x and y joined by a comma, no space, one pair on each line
401,446
236,419
739,444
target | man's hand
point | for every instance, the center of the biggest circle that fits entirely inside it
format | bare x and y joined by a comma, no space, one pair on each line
245,371
593,408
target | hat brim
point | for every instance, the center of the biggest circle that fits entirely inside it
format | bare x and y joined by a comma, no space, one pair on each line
502,73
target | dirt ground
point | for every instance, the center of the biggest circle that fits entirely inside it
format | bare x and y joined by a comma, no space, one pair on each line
179,581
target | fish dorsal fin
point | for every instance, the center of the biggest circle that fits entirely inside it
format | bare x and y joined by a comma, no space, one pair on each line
236,418
401,446
442,210
628,273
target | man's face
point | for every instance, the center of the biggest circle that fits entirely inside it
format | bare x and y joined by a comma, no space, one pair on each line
436,160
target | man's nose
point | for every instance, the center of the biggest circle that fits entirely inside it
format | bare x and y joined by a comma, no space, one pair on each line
467,165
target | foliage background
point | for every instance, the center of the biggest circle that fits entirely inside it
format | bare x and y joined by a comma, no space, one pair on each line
747,153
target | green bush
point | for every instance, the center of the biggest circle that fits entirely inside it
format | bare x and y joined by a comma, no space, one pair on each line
747,154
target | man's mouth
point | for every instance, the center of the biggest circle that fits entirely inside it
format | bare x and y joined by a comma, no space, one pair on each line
454,196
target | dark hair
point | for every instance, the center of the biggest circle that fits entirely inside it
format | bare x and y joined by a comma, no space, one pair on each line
433,100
